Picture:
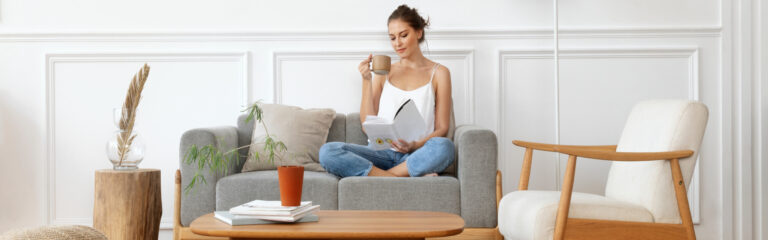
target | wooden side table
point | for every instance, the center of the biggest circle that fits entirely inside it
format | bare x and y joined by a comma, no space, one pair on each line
127,204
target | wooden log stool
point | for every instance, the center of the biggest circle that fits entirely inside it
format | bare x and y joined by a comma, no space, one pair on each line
127,204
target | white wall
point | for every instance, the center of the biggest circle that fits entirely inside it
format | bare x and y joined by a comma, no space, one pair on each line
762,200
744,54
759,204
65,64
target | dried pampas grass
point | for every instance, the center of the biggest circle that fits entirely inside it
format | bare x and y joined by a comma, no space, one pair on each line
128,117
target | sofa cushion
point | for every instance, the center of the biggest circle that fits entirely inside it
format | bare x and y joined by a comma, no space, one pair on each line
439,194
354,130
303,131
318,187
338,130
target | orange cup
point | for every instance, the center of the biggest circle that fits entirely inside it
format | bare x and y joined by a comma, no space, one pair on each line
291,179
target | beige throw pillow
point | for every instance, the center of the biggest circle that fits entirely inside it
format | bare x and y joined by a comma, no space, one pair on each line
303,131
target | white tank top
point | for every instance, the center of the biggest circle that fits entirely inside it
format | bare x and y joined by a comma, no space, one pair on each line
424,98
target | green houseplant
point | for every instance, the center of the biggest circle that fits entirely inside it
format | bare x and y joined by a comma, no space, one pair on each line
218,161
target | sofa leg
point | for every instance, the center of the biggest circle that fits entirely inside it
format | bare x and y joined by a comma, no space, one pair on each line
180,232
482,233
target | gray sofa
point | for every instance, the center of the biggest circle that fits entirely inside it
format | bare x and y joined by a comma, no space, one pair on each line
468,188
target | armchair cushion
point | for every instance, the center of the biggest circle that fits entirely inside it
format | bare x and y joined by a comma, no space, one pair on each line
303,131
657,126
531,214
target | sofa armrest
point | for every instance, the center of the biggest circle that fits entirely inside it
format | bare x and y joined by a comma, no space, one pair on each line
202,198
477,158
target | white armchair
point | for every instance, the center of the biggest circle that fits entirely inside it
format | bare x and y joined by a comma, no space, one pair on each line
645,195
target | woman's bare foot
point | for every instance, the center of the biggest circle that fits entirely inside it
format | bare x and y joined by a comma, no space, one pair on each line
377,172
430,175
401,170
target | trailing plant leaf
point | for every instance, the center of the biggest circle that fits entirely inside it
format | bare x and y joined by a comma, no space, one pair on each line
218,161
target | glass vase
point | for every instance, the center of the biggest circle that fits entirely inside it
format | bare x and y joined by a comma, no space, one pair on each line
125,150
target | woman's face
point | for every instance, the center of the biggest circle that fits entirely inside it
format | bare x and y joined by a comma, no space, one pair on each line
404,39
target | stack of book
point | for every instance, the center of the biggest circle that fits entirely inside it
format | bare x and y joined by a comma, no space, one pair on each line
267,212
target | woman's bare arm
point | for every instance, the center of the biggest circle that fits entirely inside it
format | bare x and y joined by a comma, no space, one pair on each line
371,96
371,92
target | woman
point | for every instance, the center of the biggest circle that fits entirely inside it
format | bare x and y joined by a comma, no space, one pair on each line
414,77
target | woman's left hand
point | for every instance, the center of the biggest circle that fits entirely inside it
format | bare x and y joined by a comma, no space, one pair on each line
403,146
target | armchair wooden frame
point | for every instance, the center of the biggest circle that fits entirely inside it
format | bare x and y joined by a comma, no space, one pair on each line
576,228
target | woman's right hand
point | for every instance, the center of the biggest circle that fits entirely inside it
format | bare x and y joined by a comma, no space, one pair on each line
364,68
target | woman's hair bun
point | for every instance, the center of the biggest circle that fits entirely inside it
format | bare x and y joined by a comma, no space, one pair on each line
411,16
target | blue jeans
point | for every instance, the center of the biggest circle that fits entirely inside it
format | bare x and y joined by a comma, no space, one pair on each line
347,159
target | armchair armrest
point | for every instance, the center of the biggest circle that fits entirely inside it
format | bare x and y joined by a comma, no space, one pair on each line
202,199
476,170
553,147
623,156
604,152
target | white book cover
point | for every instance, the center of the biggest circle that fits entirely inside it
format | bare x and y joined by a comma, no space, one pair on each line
262,207
407,125
288,218
236,220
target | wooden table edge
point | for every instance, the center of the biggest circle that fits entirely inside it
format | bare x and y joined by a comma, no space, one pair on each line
245,233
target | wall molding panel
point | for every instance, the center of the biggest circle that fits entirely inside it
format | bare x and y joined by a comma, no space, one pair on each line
52,60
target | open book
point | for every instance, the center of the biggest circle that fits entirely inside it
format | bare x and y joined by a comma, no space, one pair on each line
407,125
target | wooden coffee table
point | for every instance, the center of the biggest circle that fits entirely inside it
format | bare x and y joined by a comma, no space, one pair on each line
342,225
